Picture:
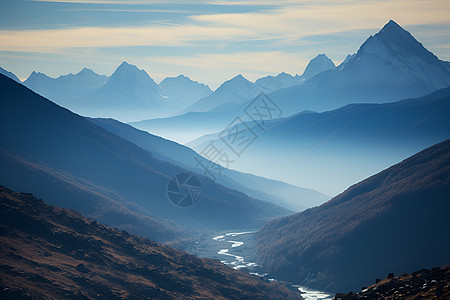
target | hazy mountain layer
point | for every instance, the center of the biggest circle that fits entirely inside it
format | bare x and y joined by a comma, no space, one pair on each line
331,150
38,131
282,194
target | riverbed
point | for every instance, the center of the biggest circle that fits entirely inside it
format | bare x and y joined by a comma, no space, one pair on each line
238,250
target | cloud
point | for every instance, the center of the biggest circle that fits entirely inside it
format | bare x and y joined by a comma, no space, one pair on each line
296,21
97,37
125,2
266,37
287,24
102,1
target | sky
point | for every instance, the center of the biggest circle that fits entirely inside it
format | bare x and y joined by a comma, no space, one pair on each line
208,40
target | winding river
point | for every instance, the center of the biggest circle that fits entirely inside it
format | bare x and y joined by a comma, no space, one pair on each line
238,250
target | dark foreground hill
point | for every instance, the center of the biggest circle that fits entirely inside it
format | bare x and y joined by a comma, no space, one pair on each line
395,221
53,253
422,284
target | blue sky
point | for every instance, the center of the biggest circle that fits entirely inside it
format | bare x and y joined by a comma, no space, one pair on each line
207,40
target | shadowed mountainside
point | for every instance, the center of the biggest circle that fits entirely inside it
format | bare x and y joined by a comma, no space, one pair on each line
395,221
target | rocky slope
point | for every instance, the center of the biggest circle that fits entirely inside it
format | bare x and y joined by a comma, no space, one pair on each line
53,253
422,284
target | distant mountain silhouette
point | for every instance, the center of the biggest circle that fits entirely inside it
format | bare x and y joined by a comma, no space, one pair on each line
317,65
282,194
72,90
235,91
49,252
281,81
395,221
10,75
229,95
183,91
128,94
37,132
133,85
390,65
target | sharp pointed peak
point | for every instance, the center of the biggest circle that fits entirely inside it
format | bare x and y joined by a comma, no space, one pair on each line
36,76
392,30
125,64
34,73
127,68
321,56
391,24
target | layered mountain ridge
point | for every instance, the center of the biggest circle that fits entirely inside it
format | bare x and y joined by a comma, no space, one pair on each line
126,184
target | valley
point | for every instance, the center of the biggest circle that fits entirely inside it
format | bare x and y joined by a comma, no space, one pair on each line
238,250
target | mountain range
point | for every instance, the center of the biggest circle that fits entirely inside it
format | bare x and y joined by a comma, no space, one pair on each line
395,221
131,94
49,252
69,90
50,151
389,66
